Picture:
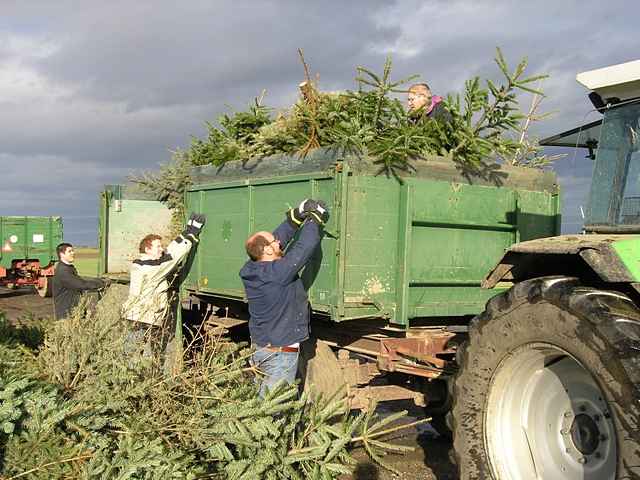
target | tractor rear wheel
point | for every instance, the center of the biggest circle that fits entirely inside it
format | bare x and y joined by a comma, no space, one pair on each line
547,386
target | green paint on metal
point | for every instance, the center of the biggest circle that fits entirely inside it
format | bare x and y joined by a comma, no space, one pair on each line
226,230
126,216
29,238
404,255
534,220
402,250
339,214
628,251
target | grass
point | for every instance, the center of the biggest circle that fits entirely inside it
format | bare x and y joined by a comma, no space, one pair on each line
86,261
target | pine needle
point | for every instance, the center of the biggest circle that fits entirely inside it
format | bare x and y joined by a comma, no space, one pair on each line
49,464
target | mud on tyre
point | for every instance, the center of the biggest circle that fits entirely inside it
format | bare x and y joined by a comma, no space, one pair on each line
547,385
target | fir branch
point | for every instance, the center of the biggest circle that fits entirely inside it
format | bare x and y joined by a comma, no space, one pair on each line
49,464
404,426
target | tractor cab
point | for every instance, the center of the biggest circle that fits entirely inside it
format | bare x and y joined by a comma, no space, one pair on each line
608,252
614,144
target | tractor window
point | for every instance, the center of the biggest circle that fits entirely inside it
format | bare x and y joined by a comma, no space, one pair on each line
615,188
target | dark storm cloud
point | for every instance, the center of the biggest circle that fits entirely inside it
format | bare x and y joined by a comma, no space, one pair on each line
105,136
92,90
159,54
176,67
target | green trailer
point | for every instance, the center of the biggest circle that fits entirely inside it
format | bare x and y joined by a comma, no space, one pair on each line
404,251
28,250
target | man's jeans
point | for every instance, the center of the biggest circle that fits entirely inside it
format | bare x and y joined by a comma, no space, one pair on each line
276,367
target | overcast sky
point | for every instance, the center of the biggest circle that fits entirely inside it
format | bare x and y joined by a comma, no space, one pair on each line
91,90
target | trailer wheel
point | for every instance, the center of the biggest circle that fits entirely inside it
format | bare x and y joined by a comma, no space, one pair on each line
43,287
440,410
547,386
441,424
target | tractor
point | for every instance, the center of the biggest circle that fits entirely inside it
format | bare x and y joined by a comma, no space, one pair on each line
548,378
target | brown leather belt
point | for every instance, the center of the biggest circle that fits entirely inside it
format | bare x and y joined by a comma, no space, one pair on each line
280,349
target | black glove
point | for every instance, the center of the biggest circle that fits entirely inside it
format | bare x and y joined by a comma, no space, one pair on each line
314,210
194,224
318,212
295,216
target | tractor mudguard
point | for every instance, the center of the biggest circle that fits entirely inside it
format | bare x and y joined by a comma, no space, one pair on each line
614,258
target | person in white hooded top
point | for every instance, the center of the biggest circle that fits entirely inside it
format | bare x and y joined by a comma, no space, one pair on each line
149,304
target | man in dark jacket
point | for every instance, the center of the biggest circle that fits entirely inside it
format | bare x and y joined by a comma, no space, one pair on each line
67,284
423,105
278,302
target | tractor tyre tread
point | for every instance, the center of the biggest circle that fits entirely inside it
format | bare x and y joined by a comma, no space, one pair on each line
608,325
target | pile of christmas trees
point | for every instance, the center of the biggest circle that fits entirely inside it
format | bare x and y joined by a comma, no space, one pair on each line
485,127
371,121
76,402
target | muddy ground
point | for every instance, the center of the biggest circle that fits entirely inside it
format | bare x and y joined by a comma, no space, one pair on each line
429,461
24,302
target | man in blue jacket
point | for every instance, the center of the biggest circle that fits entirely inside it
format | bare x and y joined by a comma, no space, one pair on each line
278,302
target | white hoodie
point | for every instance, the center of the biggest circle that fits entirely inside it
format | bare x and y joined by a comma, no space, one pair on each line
148,300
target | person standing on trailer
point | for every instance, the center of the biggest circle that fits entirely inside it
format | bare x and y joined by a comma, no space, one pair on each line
68,286
278,303
423,105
